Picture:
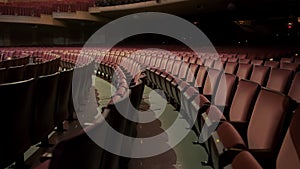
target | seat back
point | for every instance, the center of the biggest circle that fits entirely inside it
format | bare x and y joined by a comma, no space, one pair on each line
200,77
280,80
15,74
170,65
218,65
3,75
243,101
244,71
245,61
163,64
290,66
231,67
45,98
176,67
193,60
183,70
289,153
260,74
211,82
63,96
225,90
209,63
233,60
190,77
257,62
287,60
31,71
272,64
266,126
295,88
16,109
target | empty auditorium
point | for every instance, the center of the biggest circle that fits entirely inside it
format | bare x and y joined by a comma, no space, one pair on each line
150,84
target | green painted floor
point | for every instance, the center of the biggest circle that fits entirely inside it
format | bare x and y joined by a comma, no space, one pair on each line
188,155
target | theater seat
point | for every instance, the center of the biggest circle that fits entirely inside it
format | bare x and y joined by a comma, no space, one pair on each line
239,112
31,71
290,66
287,60
272,64
265,132
288,156
231,67
45,97
245,61
16,121
243,101
244,71
280,80
225,91
257,62
295,88
15,74
218,65
200,78
260,74
211,82
63,97
3,74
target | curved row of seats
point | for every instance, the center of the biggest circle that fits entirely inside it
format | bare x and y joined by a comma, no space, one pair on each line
25,70
116,2
33,106
125,101
177,80
35,8
260,103
8,60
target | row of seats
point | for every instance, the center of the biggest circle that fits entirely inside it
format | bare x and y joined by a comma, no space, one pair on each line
38,103
26,71
32,108
262,111
35,8
127,70
126,98
116,2
14,61
288,156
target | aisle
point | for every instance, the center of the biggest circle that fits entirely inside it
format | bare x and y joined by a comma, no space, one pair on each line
184,155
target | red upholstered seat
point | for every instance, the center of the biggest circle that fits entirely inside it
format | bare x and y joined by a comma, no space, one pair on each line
272,64
231,67
260,74
288,156
244,71
266,128
280,80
